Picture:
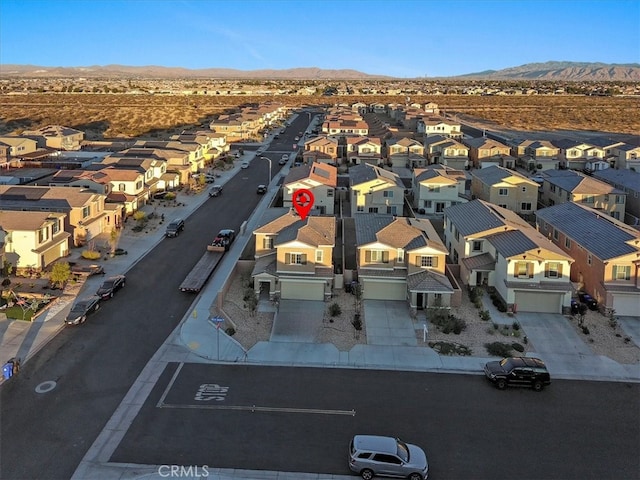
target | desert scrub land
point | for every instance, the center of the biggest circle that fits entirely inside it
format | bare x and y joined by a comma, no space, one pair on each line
118,115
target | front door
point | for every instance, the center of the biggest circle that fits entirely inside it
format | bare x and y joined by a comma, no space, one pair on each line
420,301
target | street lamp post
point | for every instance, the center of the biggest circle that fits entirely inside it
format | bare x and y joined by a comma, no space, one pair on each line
268,160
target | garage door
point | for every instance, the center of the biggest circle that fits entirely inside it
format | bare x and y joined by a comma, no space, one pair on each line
626,305
302,290
538,302
383,290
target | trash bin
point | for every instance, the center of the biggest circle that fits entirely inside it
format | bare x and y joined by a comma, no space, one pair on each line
7,370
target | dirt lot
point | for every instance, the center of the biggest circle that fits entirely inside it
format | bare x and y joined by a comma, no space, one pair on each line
110,116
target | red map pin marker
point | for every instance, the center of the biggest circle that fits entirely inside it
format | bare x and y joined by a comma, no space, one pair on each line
303,202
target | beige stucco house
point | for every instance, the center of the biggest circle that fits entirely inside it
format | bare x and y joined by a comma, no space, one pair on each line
375,190
405,152
505,188
446,151
58,137
496,248
319,178
294,258
437,187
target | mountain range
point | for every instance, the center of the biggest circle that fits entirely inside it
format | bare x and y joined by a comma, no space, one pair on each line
563,71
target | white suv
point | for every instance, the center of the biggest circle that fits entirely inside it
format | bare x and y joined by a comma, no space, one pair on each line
371,455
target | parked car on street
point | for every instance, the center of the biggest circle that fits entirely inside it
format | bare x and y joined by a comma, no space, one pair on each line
373,455
215,191
244,165
518,372
588,300
262,189
110,286
174,228
81,309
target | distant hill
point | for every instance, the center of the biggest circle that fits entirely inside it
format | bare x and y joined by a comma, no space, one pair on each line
563,71
153,71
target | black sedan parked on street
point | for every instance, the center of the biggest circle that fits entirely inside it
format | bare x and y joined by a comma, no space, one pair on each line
110,286
81,309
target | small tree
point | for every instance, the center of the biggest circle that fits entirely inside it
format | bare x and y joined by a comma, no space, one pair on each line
60,273
114,236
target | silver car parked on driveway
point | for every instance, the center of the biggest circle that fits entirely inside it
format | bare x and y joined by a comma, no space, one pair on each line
371,455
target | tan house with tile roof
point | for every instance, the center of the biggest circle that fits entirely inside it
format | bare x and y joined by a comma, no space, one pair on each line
85,211
294,258
363,150
436,125
326,147
58,137
560,186
402,258
319,178
485,152
375,190
437,187
446,151
505,188
537,155
403,152
127,187
494,247
34,240
16,146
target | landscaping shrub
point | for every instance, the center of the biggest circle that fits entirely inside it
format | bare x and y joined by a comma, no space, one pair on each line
91,254
334,310
517,347
449,324
357,323
515,326
448,348
230,331
485,315
498,349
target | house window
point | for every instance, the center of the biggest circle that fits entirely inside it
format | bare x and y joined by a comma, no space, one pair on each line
86,211
457,236
553,270
43,235
552,188
400,256
373,209
616,215
427,261
524,189
376,256
477,246
523,270
122,187
588,199
296,259
387,194
567,242
556,235
502,205
503,192
525,206
55,226
589,259
434,188
360,208
329,192
427,204
619,199
319,256
267,243
622,272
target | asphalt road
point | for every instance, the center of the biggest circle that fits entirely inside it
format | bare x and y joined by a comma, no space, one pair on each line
45,435
301,420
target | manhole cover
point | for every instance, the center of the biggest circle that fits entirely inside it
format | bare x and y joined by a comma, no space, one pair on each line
45,387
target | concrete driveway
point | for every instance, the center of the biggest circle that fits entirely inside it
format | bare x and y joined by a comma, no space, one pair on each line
297,321
552,333
388,322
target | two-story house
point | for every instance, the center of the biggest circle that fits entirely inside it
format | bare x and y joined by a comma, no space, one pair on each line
437,187
363,150
127,188
505,188
606,253
34,240
405,152
14,147
497,248
627,156
57,137
629,182
400,258
294,257
319,178
85,211
153,170
375,190
574,154
446,151
435,125
486,152
561,186
537,155
322,149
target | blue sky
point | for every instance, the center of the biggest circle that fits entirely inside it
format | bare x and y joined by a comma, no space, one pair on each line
401,38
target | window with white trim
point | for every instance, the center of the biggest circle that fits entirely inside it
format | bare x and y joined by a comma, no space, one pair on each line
622,272
503,192
319,256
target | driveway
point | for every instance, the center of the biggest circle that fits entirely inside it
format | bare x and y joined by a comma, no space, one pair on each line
551,333
388,322
297,321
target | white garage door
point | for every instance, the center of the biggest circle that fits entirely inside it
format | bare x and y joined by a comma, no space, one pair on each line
538,302
302,290
376,290
626,305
